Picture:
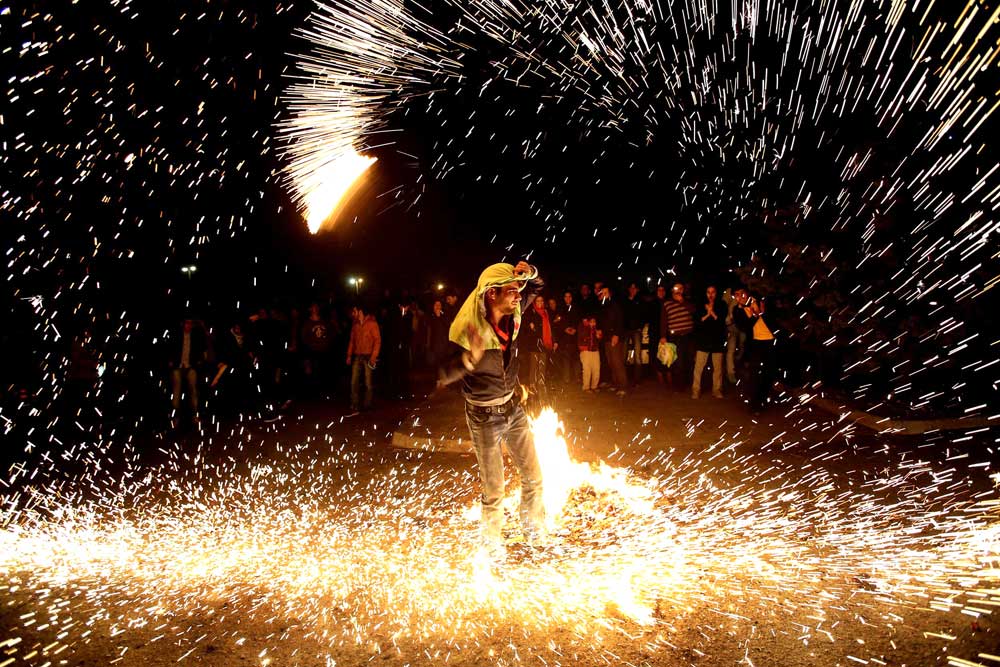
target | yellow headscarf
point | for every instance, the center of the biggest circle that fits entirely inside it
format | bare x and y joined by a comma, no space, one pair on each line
473,311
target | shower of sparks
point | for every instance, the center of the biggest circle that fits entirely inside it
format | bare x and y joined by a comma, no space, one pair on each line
121,150
866,126
302,540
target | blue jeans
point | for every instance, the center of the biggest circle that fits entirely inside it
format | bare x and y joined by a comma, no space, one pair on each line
359,365
488,430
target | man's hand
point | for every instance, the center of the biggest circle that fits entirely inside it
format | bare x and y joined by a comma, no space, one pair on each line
476,345
614,341
522,269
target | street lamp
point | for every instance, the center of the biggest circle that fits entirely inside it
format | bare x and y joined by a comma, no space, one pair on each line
440,286
189,270
357,282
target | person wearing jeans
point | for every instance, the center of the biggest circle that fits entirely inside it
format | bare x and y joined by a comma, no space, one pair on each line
362,355
489,426
189,351
485,359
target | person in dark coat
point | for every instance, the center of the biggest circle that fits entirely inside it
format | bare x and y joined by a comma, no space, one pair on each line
709,340
611,323
438,323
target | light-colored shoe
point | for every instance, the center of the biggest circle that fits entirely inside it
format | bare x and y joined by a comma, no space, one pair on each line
695,395
717,394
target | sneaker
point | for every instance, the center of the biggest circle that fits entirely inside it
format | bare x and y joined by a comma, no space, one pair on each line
717,394
620,393
695,395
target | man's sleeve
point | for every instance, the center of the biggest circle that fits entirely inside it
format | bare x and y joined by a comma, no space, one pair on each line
456,366
377,345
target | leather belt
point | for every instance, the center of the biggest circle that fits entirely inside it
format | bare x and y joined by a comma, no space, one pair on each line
502,409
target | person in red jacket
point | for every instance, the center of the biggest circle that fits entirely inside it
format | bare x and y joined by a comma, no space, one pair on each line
362,355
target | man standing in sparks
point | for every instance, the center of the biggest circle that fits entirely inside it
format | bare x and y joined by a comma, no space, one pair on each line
486,328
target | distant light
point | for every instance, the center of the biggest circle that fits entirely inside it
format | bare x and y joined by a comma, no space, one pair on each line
352,280
190,268
330,183
440,286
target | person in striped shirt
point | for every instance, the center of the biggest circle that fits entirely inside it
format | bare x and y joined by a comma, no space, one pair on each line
676,326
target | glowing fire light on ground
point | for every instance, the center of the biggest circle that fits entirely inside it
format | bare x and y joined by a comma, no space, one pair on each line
330,186
390,562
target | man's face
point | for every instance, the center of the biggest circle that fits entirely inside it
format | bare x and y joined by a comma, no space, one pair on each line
633,289
568,298
584,291
507,299
604,293
677,293
552,304
711,293
742,296
598,286
451,299
356,314
438,308
661,292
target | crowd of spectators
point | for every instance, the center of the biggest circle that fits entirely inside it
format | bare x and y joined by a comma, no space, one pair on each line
589,338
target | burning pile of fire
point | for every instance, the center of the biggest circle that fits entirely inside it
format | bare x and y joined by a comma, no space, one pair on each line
395,556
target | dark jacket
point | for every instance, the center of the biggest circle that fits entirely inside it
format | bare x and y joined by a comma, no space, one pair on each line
532,330
635,313
198,352
495,376
234,352
710,335
437,337
566,318
611,319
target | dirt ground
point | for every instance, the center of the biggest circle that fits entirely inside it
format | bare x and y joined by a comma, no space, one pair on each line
709,538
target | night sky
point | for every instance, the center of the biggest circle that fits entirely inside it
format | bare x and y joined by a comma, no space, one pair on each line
837,156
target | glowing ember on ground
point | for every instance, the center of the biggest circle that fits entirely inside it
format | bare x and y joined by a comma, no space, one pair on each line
394,556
